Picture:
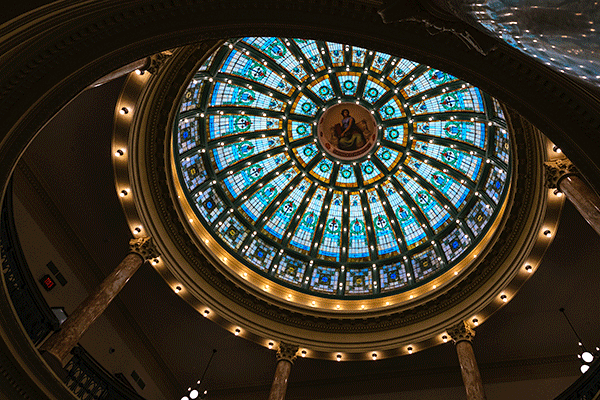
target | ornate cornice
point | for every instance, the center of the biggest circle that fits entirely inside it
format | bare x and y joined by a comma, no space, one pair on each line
558,169
287,352
156,61
144,247
460,332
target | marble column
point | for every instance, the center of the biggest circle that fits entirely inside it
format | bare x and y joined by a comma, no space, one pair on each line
285,358
562,175
462,336
58,346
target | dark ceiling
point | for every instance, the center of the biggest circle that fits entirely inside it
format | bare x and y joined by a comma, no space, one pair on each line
72,159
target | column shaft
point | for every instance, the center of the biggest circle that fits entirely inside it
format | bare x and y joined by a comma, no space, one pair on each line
583,198
470,371
282,373
62,342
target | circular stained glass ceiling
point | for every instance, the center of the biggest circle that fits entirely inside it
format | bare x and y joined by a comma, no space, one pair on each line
336,170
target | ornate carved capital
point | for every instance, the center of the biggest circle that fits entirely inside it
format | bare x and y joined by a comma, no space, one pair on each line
461,331
287,352
557,170
156,61
144,246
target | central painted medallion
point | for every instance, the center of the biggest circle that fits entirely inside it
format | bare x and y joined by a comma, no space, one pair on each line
347,131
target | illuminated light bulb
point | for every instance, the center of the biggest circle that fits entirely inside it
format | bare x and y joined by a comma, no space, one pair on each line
119,153
587,356
289,296
445,338
237,331
504,298
193,394
177,289
337,306
206,312
411,296
434,286
556,149
123,193
387,303
584,368
313,303
410,350
339,357
270,345
138,229
224,259
185,398
558,193
245,275
191,220
140,71
155,261
303,353
547,233
529,268
124,110
374,356
362,307
475,321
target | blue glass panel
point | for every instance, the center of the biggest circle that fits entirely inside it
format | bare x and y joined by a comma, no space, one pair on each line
331,240
304,106
498,109
233,232
495,183
277,224
403,67
206,65
209,204
396,134
346,177
191,97
425,263
232,95
348,82
462,131
312,53
414,234
386,239
461,161
336,53
323,170
230,154
278,52
290,270
187,134
325,279
359,281
306,153
358,56
373,90
260,200
467,99
226,125
379,62
370,172
260,254
437,216
298,130
501,146
455,244
322,88
389,157
237,63
428,80
393,276
237,183
479,216
302,238
193,171
358,244
391,109
446,185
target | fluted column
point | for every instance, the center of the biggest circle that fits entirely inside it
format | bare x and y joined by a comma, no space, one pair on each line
562,175
62,342
285,358
462,336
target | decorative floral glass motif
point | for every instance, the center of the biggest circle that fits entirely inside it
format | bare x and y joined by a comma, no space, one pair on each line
422,170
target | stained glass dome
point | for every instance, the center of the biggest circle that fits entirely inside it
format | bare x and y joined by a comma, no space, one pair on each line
336,170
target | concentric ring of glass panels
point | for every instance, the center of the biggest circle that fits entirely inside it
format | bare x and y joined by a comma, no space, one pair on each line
258,180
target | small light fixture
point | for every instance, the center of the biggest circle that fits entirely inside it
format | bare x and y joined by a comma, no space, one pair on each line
177,289
119,153
140,71
547,233
123,193
504,298
303,353
556,149
410,350
529,268
558,193
339,357
445,338
193,394
124,110
374,356
155,261
206,312
137,229
475,321
270,345
337,306
237,331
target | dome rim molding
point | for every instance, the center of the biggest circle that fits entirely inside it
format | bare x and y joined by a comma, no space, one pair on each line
152,131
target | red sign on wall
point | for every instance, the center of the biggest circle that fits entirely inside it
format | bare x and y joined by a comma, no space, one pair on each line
47,282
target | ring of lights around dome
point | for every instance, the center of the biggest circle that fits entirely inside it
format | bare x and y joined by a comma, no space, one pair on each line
376,202
227,291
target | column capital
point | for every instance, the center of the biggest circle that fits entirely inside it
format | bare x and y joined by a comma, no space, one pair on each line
144,247
156,61
461,331
287,352
557,170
